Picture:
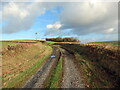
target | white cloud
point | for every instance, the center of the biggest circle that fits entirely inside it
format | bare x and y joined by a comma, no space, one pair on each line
49,26
53,28
88,17
109,30
56,25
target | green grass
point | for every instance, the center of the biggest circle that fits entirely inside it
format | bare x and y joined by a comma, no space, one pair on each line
50,42
25,40
56,75
109,42
3,44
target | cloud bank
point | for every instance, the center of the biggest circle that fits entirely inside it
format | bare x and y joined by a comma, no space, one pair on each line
90,17
80,18
21,16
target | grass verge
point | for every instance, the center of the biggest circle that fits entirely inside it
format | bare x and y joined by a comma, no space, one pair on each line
50,42
56,76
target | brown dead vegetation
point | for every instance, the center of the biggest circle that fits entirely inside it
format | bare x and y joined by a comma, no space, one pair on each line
18,58
101,62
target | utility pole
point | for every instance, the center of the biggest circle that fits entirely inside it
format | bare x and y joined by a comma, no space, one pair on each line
36,35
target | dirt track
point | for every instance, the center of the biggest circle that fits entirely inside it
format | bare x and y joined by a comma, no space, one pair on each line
38,80
71,76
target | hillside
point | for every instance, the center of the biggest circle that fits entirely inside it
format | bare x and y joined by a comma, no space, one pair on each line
21,61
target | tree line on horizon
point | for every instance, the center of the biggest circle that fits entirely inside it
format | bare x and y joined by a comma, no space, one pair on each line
60,39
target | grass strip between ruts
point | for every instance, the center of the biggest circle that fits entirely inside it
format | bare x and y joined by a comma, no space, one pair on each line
56,75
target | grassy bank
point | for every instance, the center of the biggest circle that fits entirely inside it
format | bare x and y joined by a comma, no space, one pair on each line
54,81
92,73
21,65
109,42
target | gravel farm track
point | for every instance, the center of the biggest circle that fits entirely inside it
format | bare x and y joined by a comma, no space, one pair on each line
70,74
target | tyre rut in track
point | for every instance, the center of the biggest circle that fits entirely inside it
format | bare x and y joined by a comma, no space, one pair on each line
71,74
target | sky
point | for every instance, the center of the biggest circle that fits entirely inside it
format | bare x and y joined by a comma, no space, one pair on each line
88,21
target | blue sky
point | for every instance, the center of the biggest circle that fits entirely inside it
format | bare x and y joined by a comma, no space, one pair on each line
88,22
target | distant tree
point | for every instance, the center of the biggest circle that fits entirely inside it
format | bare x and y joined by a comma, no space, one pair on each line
66,39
